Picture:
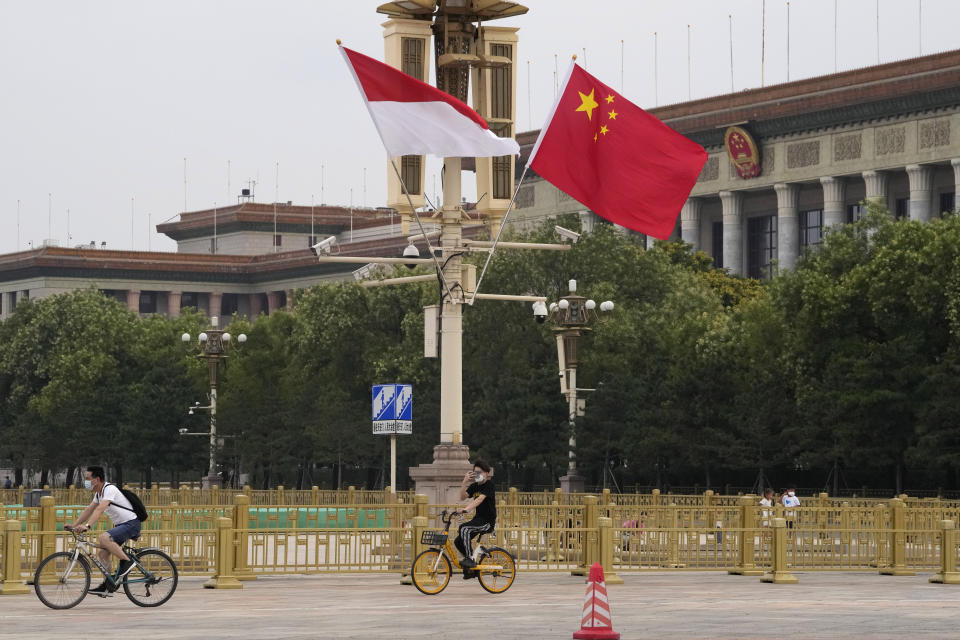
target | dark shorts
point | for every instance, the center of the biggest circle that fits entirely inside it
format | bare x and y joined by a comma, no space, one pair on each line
124,531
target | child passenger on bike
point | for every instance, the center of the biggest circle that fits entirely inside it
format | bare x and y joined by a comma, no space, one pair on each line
477,486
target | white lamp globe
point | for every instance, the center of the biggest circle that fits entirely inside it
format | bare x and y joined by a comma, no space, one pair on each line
185,337
225,337
202,337
242,338
590,305
564,304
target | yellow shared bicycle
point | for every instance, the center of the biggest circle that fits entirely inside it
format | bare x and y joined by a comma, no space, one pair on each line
496,568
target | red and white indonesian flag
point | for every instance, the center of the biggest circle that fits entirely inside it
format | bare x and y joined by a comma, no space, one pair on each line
414,118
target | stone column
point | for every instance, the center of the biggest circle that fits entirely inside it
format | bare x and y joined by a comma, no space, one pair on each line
273,301
173,303
215,304
921,184
788,228
833,198
955,163
133,300
255,305
876,183
291,299
690,222
732,231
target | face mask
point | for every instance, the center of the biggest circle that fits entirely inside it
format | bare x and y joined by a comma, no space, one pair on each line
87,484
480,478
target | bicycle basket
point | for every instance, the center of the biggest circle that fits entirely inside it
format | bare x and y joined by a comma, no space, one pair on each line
433,538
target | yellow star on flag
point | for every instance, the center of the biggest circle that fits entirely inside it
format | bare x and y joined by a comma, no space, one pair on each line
613,115
588,104
609,99
604,130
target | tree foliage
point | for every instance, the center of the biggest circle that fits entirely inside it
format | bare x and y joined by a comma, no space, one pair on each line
847,362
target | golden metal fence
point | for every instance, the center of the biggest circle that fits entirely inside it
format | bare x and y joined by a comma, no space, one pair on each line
897,537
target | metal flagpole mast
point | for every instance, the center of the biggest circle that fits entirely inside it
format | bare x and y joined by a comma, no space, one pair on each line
730,20
763,40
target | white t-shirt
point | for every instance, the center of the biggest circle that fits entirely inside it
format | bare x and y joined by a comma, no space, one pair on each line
791,500
114,512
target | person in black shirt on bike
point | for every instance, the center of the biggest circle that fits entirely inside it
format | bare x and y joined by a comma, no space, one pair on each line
477,486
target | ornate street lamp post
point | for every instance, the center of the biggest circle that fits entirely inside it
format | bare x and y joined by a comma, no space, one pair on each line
213,343
571,317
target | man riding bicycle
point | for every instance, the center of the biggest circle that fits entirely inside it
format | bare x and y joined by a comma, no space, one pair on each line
478,487
108,498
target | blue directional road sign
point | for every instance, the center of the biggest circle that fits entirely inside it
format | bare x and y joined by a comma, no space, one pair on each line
392,409
404,408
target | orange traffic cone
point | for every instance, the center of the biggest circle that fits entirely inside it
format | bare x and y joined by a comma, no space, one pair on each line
597,623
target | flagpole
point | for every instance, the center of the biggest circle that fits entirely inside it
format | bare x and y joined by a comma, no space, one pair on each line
656,98
763,40
730,20
503,224
423,231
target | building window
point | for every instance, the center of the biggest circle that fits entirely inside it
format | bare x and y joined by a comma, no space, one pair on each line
717,242
411,56
277,240
902,210
188,300
948,202
410,173
148,302
229,304
855,213
811,227
762,249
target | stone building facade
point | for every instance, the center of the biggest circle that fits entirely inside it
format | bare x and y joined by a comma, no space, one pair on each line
243,267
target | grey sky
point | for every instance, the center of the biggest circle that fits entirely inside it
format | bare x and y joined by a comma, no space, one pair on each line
102,101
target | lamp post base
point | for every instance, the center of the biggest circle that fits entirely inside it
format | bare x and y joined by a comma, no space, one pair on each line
212,481
571,483
441,479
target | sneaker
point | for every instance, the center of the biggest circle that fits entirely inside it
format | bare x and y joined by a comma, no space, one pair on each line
103,589
469,573
124,568
467,563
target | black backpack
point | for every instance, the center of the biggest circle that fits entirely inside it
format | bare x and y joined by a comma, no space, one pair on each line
138,509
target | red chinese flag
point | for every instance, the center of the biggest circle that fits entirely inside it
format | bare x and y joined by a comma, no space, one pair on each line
614,157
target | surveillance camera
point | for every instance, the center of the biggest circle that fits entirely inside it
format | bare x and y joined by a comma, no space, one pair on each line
324,246
540,311
567,234
411,251
182,431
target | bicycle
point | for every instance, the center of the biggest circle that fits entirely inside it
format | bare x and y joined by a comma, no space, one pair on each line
62,579
496,568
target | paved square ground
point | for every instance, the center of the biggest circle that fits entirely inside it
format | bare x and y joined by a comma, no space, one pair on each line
648,605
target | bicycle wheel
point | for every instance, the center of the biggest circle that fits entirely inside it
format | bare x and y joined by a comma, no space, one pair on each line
431,572
152,582
497,580
60,581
